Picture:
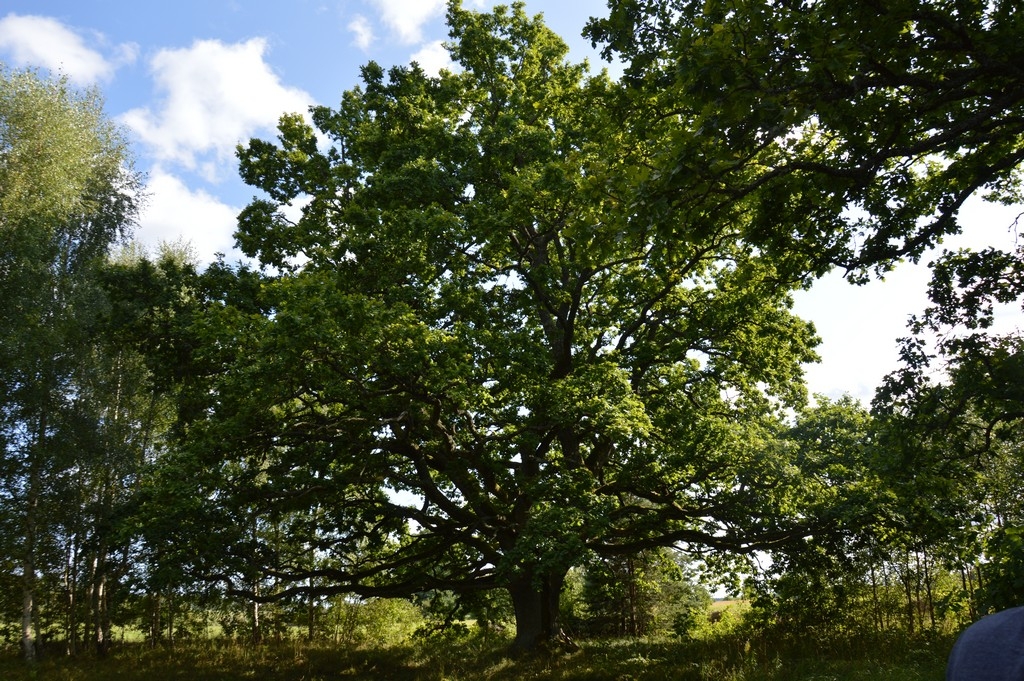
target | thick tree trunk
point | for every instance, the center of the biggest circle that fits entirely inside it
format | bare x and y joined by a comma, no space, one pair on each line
536,605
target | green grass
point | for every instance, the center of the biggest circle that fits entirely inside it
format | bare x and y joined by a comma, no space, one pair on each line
477,659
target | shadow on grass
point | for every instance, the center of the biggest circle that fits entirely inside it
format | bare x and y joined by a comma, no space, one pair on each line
479,659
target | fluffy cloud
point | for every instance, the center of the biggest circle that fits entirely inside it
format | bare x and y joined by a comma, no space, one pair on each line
214,95
362,31
407,17
45,42
854,361
174,212
433,57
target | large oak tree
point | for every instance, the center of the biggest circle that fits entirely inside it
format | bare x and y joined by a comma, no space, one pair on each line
861,126
477,357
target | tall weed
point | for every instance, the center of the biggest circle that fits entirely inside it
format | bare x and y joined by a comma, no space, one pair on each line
731,657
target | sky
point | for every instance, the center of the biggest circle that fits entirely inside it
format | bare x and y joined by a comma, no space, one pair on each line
189,80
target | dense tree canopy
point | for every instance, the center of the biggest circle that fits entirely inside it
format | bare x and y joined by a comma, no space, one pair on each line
474,313
955,410
859,129
525,319
67,193
868,123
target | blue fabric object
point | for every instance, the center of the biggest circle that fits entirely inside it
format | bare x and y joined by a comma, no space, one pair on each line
991,649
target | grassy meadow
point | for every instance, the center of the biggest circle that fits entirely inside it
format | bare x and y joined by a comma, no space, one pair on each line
477,658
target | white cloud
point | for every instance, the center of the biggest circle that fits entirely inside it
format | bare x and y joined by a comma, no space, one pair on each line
174,212
215,95
47,43
859,325
407,17
364,37
126,53
293,211
433,57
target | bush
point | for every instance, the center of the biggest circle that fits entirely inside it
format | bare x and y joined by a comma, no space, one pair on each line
639,595
1004,574
376,621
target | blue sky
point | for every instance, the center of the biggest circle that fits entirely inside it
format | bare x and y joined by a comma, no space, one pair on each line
190,79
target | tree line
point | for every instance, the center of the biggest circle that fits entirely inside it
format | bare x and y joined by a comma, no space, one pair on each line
533,323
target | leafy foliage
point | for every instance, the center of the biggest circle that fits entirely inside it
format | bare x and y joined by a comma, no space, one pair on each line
530,320
857,132
474,309
861,127
647,594
70,431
